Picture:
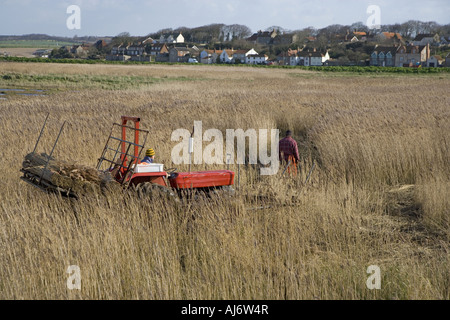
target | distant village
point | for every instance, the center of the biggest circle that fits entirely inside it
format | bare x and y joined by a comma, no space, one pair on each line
272,47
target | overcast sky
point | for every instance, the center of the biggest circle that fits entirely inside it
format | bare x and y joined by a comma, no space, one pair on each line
111,17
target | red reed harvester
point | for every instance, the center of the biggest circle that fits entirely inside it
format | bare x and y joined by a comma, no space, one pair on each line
122,157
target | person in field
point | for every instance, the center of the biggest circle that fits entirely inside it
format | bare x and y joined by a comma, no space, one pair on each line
288,152
149,156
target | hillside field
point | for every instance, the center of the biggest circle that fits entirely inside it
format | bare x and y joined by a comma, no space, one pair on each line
379,194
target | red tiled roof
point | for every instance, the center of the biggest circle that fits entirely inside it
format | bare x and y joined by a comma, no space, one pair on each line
213,51
231,52
390,35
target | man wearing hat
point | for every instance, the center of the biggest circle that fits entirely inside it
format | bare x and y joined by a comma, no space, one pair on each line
149,156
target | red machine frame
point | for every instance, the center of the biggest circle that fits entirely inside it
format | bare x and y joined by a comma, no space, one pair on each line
121,157
123,168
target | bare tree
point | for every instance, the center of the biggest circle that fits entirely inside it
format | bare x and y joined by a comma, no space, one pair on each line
235,32
122,38
278,29
412,28
240,31
303,34
359,26
333,30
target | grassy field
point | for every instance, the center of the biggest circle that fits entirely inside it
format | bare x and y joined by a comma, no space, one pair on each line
25,48
378,196
43,44
18,52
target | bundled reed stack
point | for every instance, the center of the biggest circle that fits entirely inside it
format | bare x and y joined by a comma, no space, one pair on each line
70,177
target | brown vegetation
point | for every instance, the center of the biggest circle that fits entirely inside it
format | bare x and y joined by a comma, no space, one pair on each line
379,194
19,52
62,176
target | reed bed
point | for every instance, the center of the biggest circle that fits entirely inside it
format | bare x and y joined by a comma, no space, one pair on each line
378,195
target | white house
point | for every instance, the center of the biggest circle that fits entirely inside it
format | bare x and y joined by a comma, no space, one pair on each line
240,55
434,62
232,56
149,40
424,39
135,50
120,50
209,56
312,58
179,39
226,56
294,59
205,53
324,58
289,57
158,48
316,59
171,39
42,53
303,58
256,59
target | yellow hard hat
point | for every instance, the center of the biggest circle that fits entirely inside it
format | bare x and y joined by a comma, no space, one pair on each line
150,152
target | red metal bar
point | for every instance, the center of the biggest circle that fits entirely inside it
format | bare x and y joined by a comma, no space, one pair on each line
136,139
124,138
136,121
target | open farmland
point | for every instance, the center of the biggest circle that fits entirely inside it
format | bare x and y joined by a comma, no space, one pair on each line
379,194
18,52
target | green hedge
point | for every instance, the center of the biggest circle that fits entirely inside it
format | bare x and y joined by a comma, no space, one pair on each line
73,61
378,69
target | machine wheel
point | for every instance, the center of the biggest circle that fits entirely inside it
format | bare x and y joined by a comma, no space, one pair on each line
229,190
225,191
149,190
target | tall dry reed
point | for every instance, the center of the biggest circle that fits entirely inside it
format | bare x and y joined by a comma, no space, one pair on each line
378,195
